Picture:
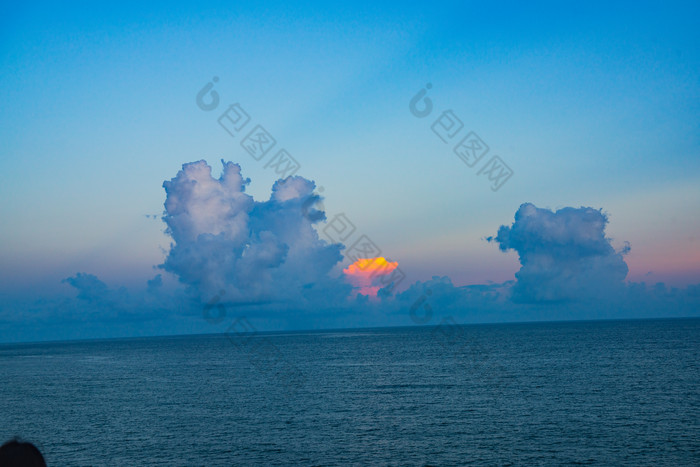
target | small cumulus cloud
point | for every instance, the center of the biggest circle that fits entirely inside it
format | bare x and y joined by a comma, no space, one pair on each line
89,287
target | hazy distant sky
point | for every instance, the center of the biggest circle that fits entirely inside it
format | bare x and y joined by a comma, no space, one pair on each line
592,105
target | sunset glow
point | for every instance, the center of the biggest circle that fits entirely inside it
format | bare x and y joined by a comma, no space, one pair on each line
365,272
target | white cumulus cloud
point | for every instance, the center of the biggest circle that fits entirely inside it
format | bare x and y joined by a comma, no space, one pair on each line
252,251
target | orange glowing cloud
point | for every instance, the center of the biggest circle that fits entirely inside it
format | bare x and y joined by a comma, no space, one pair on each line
363,272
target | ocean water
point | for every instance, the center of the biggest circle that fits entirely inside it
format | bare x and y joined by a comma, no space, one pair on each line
598,393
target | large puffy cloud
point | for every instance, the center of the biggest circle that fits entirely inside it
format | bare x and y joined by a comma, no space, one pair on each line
564,255
226,244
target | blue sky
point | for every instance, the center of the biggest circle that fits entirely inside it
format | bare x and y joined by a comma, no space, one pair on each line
590,105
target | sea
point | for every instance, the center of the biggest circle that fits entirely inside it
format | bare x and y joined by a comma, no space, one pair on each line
558,393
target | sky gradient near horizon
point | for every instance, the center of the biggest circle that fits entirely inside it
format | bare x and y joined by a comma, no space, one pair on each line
590,105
